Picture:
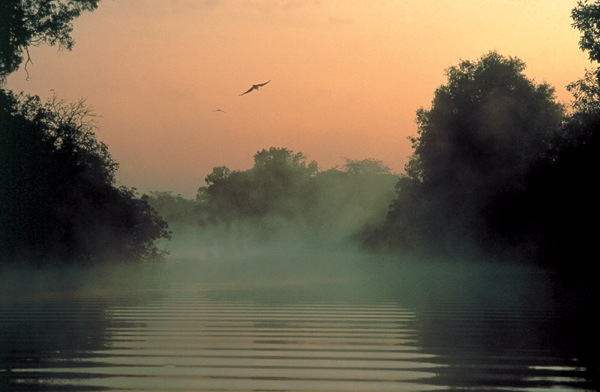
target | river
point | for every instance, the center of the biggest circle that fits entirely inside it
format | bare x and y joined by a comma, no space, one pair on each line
192,326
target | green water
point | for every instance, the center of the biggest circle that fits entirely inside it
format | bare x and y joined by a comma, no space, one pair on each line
192,326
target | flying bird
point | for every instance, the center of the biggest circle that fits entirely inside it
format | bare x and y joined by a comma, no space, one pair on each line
219,110
254,87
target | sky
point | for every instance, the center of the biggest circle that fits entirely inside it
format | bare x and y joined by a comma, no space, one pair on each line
346,76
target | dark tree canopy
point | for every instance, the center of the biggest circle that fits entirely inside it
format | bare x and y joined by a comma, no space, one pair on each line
284,197
277,160
24,23
366,166
485,126
586,18
275,184
566,184
485,129
586,93
58,198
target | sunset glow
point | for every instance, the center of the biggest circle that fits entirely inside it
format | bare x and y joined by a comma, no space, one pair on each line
346,76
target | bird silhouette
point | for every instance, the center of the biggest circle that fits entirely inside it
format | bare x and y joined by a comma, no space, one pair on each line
254,87
219,110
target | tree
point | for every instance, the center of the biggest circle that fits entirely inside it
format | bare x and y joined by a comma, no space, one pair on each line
59,199
24,23
176,209
217,175
366,166
283,196
276,184
586,18
228,195
281,182
282,161
486,127
565,182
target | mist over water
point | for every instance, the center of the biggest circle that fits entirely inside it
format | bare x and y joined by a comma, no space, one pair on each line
291,300
473,270
282,316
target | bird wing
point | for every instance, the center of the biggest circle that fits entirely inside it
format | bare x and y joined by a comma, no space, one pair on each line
254,87
247,91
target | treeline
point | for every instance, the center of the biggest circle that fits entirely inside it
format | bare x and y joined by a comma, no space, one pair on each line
501,170
59,201
284,195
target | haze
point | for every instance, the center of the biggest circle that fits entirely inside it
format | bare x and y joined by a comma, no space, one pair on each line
347,77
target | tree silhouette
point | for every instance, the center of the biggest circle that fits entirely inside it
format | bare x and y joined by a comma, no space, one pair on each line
284,196
586,18
365,166
276,184
59,200
565,182
486,127
33,22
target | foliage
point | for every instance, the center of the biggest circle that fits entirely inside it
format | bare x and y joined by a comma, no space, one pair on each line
586,93
348,203
176,208
366,166
565,183
276,184
586,18
32,22
59,199
562,201
486,127
284,196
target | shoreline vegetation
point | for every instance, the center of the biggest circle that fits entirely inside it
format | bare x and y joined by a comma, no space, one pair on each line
502,180
500,171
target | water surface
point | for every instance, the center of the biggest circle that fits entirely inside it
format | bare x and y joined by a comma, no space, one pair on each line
268,331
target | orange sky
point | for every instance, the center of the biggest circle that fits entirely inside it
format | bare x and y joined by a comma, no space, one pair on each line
347,75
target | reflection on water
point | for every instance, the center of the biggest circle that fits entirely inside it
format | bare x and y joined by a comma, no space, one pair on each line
199,336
